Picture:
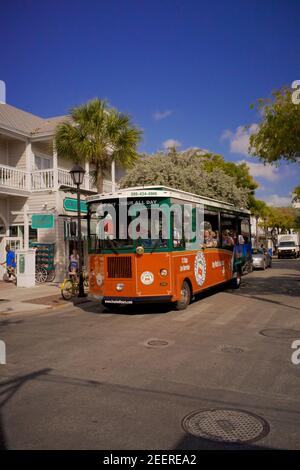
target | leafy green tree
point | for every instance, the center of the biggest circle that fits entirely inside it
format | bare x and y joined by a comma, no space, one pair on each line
278,134
98,134
239,171
296,194
186,172
259,210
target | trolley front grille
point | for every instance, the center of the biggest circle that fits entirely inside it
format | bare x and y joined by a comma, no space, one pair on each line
119,266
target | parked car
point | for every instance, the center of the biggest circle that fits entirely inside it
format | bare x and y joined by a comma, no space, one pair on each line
261,258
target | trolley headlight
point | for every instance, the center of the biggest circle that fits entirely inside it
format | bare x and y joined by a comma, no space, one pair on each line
163,272
139,250
120,286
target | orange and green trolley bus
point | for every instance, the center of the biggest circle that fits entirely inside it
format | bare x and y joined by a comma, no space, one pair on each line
174,265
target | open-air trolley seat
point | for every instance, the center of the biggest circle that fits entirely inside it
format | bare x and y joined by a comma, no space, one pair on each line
158,244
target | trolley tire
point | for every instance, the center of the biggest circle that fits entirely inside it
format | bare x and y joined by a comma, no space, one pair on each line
186,295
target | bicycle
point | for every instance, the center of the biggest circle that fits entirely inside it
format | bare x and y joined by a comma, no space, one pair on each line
11,275
70,286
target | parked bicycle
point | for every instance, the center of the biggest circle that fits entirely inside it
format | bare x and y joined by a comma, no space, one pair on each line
70,286
11,275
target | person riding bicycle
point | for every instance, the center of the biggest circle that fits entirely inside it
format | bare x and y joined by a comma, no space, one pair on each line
10,262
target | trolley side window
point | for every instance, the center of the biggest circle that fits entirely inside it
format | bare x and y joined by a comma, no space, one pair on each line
229,231
211,237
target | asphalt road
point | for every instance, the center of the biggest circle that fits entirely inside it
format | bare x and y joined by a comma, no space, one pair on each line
82,378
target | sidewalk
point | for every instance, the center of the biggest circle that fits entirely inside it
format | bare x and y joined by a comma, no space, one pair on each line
35,299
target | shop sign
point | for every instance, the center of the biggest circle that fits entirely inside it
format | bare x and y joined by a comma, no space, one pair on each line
42,221
70,204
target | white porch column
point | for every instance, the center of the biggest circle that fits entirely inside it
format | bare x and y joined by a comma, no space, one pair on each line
26,227
55,168
29,163
113,176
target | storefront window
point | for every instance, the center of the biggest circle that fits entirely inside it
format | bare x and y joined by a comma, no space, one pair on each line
16,231
33,234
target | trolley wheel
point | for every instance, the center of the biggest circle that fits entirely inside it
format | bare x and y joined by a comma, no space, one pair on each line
51,276
185,297
41,275
67,290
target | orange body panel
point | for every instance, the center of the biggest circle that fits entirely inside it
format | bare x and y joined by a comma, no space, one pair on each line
203,268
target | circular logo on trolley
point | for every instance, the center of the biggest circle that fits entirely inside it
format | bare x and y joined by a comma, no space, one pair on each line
200,268
147,278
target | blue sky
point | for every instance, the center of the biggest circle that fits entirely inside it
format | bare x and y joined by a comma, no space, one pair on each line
185,70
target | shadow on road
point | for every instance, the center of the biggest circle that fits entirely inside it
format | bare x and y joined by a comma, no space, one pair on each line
8,388
255,285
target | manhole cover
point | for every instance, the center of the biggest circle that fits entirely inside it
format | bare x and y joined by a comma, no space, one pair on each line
157,343
231,349
280,333
226,425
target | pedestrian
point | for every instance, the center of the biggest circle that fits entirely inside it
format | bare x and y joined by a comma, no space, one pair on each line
10,262
74,263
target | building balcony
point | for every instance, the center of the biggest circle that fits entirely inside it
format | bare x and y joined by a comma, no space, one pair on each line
18,182
14,181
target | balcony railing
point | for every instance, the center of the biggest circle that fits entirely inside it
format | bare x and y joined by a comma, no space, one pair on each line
13,179
65,179
41,180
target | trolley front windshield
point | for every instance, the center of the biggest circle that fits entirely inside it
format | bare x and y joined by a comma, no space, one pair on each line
124,224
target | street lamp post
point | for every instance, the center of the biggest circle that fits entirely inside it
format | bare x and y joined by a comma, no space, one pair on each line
77,174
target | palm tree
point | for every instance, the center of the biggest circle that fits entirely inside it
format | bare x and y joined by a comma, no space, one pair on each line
99,135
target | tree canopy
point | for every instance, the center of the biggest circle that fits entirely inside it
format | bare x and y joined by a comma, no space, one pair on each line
97,134
278,134
296,194
192,172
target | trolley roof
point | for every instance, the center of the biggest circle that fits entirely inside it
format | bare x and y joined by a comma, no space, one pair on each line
164,191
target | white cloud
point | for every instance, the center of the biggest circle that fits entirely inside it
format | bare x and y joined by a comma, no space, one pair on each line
239,140
171,143
267,172
277,201
159,115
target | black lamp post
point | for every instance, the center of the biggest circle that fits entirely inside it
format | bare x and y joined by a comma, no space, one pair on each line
77,173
